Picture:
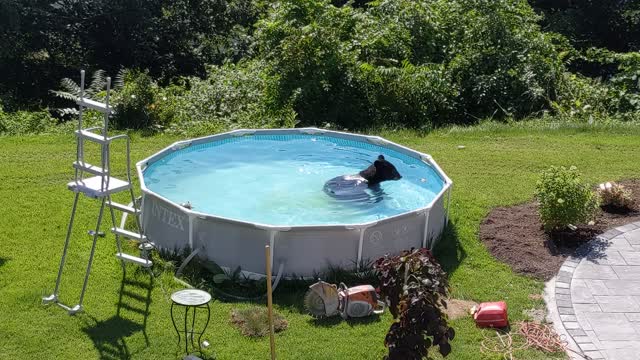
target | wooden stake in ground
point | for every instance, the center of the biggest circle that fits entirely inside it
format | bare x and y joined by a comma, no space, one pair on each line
267,251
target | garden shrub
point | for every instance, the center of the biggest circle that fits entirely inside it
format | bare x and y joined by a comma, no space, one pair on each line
134,96
615,196
617,95
625,81
25,122
564,198
230,97
583,99
415,286
135,102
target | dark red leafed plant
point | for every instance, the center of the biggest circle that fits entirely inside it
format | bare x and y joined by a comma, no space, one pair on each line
415,286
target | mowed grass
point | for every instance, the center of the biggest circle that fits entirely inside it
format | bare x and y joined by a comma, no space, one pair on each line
497,167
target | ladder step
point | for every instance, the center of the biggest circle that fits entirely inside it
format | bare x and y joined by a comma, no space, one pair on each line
92,169
92,186
124,208
129,234
95,105
134,259
91,136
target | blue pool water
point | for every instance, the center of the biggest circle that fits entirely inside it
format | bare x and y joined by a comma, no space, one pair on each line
278,180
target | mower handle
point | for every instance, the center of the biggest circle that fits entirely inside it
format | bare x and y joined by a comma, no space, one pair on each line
381,306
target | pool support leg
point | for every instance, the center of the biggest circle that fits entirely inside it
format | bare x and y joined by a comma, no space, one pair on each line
426,228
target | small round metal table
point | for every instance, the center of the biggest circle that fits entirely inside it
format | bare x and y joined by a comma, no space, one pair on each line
191,299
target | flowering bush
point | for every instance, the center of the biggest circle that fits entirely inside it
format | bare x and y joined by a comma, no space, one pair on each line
615,196
564,198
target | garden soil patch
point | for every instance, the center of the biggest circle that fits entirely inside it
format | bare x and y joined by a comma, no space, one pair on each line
457,308
515,236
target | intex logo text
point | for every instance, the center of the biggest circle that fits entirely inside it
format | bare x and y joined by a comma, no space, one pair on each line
167,216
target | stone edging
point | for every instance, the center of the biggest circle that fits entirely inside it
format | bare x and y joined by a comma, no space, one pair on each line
563,299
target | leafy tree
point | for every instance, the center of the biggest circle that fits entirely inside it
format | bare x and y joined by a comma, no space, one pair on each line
611,24
42,41
412,63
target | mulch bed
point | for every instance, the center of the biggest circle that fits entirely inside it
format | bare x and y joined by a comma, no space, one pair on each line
515,236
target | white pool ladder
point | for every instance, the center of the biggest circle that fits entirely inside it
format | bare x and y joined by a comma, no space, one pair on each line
100,186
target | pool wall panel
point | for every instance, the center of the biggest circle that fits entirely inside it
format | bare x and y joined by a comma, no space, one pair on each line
437,218
231,244
391,237
309,251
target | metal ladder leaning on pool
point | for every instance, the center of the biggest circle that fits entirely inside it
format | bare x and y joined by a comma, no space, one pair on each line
100,186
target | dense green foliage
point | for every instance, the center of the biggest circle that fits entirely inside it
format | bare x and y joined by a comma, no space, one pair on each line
611,24
211,65
136,101
231,96
25,122
42,41
564,198
408,63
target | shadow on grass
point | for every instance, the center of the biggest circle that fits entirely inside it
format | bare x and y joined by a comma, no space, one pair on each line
3,261
110,336
449,251
335,320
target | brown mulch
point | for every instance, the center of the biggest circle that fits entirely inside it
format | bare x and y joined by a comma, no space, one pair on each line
515,236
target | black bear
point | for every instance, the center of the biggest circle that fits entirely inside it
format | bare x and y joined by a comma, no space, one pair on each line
354,186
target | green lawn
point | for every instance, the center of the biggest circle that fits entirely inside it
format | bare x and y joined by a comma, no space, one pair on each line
498,167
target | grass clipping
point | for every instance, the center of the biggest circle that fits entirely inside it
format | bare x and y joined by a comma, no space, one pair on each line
254,321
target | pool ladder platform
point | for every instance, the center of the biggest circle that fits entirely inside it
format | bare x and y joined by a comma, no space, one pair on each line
97,183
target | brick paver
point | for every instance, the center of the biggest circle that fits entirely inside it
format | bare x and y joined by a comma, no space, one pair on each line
598,295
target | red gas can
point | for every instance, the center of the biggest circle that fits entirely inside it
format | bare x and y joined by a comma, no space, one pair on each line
491,314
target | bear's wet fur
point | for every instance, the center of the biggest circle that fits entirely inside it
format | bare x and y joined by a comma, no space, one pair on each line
354,186
381,170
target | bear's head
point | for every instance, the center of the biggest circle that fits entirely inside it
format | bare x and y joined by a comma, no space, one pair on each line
380,171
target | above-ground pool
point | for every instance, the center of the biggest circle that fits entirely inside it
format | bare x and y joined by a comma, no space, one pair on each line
249,188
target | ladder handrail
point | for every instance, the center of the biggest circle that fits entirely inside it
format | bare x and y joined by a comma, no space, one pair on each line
80,142
106,161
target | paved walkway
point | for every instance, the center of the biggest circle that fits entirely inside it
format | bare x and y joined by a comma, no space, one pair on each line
597,294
